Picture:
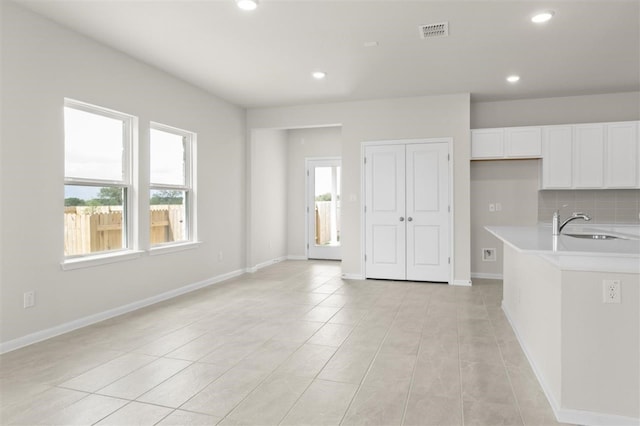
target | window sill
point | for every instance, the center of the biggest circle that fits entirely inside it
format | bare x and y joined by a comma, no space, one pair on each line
100,259
172,248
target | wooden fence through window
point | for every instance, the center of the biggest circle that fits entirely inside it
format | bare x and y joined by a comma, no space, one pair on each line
323,222
89,229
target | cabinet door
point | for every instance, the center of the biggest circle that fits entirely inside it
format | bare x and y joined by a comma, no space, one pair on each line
523,142
557,157
622,155
588,156
487,143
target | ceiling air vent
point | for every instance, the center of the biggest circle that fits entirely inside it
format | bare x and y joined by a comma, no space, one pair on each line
434,30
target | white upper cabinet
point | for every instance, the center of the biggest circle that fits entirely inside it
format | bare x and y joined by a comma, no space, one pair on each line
523,142
506,143
622,155
591,156
487,143
557,157
588,155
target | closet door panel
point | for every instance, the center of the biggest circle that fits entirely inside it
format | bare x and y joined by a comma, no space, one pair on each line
427,188
385,212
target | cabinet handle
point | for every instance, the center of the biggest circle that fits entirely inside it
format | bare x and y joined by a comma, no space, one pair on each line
401,219
409,219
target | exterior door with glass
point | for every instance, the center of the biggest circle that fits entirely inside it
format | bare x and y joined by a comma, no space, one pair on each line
323,208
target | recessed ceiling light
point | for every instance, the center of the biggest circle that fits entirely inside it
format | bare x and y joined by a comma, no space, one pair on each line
513,78
319,75
542,17
247,4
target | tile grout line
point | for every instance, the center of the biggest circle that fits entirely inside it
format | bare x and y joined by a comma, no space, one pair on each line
506,370
319,371
415,366
285,360
366,374
459,363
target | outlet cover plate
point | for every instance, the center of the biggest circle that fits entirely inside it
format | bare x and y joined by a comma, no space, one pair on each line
489,255
610,291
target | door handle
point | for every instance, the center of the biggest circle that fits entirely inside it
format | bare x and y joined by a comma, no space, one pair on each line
409,219
401,219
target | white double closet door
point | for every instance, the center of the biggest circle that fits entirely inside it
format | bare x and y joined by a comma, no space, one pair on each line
407,212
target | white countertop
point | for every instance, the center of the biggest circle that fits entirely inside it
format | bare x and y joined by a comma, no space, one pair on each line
578,254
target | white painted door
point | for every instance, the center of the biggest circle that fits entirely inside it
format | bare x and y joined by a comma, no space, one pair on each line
427,223
407,212
385,212
323,209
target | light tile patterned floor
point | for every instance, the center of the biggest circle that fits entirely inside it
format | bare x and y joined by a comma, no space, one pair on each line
292,344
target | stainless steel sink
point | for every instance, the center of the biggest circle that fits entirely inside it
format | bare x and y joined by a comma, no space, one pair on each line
595,236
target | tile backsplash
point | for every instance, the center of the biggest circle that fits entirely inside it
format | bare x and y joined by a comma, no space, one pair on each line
612,206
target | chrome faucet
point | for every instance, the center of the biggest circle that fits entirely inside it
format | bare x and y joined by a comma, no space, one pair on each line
557,227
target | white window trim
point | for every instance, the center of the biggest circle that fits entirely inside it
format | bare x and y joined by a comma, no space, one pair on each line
103,258
130,151
189,187
174,247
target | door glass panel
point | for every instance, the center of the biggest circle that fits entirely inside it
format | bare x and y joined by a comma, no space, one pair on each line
327,206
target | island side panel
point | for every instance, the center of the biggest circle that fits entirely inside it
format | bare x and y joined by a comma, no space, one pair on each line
601,344
532,302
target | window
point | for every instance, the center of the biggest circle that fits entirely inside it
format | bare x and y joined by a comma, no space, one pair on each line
98,187
171,195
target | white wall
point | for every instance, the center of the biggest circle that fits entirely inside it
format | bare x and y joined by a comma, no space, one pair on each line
560,110
305,143
386,119
586,353
268,232
42,63
510,183
601,344
515,183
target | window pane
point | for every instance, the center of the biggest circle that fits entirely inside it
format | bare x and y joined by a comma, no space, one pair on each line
167,158
93,219
168,216
327,205
93,145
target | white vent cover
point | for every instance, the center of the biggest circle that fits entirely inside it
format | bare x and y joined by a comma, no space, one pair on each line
434,30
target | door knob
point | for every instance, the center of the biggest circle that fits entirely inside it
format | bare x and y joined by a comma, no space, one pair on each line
409,218
401,219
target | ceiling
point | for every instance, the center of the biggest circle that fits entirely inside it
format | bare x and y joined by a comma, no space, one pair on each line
265,57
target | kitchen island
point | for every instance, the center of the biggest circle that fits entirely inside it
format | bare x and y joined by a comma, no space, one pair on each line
584,349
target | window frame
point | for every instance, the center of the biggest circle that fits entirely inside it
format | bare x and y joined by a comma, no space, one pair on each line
189,141
129,241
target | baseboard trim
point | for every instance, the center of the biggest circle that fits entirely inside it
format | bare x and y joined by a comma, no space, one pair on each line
67,327
484,275
296,257
567,415
545,388
256,268
462,283
590,418
353,276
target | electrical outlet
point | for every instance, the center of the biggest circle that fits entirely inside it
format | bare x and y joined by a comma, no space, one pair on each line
220,257
29,299
492,208
489,255
611,291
